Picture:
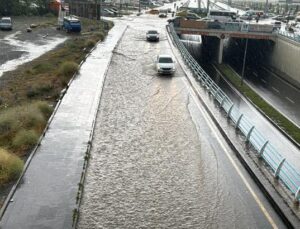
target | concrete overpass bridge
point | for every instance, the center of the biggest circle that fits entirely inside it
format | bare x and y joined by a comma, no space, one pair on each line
225,30
283,57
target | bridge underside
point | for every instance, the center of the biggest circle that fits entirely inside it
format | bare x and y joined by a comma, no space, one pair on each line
225,34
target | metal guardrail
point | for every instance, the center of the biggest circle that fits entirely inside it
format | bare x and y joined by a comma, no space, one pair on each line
292,36
280,168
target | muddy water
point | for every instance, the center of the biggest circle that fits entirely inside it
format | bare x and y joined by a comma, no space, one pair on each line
14,52
151,166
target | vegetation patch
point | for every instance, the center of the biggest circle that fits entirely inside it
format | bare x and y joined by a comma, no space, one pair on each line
20,120
90,43
292,130
29,93
11,166
68,68
25,139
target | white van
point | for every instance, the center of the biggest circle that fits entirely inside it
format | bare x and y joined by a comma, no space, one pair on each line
222,15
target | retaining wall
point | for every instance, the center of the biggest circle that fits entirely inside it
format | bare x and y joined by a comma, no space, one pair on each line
285,57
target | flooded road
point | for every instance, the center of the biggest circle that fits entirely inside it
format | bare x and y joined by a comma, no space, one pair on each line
157,161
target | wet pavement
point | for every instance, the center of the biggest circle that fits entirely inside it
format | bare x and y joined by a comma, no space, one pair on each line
282,144
279,93
157,161
46,196
18,46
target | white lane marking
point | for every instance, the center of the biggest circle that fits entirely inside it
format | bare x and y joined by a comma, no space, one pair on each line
254,73
213,128
275,89
263,81
290,100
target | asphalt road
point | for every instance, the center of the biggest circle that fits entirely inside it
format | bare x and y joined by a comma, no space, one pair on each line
157,160
279,93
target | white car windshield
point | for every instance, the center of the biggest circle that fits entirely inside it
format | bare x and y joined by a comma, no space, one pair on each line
165,60
152,32
5,21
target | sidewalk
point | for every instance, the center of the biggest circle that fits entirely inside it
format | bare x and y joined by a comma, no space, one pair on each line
46,195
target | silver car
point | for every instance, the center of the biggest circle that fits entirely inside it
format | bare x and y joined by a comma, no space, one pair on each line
165,64
6,23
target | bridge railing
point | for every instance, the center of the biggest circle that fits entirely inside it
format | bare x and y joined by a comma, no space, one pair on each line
280,168
182,23
292,36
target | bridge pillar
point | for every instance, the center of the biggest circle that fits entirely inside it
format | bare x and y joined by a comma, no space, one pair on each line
220,54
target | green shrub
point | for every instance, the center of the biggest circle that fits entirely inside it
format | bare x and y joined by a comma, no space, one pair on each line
90,43
25,139
41,90
11,166
32,92
42,68
8,122
31,117
44,108
68,68
99,35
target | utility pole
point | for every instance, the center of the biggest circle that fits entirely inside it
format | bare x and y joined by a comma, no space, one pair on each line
207,6
267,6
199,6
98,9
245,57
139,6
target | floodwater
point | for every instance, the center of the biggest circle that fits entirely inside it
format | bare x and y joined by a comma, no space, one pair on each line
155,162
18,47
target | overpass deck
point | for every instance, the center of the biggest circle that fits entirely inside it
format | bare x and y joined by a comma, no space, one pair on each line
226,34
225,29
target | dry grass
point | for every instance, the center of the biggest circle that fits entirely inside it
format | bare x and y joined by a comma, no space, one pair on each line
11,166
27,117
68,69
25,139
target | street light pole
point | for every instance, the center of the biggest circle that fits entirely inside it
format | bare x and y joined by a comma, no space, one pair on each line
207,3
199,6
139,6
244,62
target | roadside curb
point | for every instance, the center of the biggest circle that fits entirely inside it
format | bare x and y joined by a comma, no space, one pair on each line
76,211
268,189
259,110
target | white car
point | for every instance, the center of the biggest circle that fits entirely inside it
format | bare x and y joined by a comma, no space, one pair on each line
6,23
152,35
165,64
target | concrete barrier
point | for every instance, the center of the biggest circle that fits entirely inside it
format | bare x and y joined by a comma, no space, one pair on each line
285,57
